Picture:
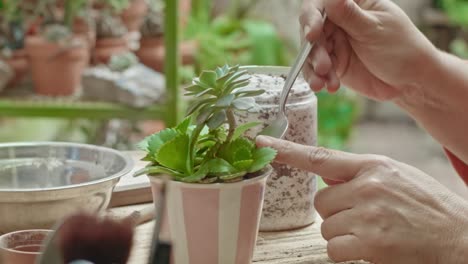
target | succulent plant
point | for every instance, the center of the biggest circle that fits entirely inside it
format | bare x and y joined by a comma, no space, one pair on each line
56,32
121,62
109,26
153,25
208,146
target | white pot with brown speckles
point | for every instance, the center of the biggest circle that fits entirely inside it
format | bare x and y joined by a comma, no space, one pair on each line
290,192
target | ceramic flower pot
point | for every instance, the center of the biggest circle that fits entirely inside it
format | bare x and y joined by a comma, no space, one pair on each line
22,247
152,52
134,15
212,223
56,70
107,47
19,64
83,29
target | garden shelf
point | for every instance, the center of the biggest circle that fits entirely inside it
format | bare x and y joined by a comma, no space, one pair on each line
57,108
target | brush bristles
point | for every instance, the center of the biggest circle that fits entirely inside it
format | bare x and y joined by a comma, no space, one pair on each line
86,237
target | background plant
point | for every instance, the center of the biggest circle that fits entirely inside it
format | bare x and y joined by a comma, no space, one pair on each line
214,148
11,26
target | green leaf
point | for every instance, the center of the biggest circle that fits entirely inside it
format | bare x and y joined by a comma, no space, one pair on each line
250,93
175,153
219,166
198,104
158,170
209,78
183,127
195,88
217,120
197,176
244,103
153,143
231,177
242,153
240,130
233,151
204,114
262,157
243,165
225,101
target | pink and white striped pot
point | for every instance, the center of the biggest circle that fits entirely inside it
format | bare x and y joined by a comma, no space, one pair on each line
212,223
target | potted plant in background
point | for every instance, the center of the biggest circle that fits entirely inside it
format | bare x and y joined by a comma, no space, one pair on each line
218,175
58,57
111,32
134,14
12,40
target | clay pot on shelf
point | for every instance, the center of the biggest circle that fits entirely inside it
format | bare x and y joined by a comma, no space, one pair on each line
83,29
56,70
107,47
19,64
134,14
152,52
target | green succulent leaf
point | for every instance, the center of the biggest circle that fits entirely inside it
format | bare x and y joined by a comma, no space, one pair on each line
209,78
225,101
217,120
219,166
183,127
249,93
175,153
243,165
240,130
233,176
198,176
233,151
204,114
244,103
261,158
199,104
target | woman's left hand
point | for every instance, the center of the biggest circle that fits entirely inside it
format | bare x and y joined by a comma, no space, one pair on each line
380,210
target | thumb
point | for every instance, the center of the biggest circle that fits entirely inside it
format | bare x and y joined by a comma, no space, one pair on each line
334,165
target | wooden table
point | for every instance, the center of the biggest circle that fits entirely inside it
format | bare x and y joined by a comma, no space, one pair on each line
303,246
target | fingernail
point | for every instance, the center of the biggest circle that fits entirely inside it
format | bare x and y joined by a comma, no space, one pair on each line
307,29
264,141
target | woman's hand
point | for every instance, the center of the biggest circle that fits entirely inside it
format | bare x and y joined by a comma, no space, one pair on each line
381,210
369,45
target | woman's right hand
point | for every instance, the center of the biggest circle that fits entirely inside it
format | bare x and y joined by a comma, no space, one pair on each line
370,46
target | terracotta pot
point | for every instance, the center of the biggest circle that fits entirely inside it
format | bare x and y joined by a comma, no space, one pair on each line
55,70
134,15
212,223
22,247
20,65
152,52
107,47
82,29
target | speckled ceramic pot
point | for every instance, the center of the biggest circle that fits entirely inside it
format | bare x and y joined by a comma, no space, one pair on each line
290,191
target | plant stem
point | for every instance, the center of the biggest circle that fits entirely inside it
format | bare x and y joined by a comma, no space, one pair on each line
193,143
68,16
232,124
172,61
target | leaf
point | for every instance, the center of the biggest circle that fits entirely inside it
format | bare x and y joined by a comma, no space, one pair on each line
198,104
219,166
233,176
217,120
175,153
225,101
157,170
240,130
153,143
228,151
195,88
250,93
242,153
204,114
209,78
243,165
262,157
197,176
236,85
244,103
183,127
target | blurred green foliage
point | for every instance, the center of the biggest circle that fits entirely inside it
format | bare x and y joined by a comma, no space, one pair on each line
457,10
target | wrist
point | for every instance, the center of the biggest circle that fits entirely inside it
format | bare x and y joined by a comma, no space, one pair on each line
424,92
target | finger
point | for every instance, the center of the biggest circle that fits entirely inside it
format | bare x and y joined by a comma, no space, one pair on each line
330,164
345,248
348,15
335,199
315,82
311,20
340,224
331,182
333,83
321,62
